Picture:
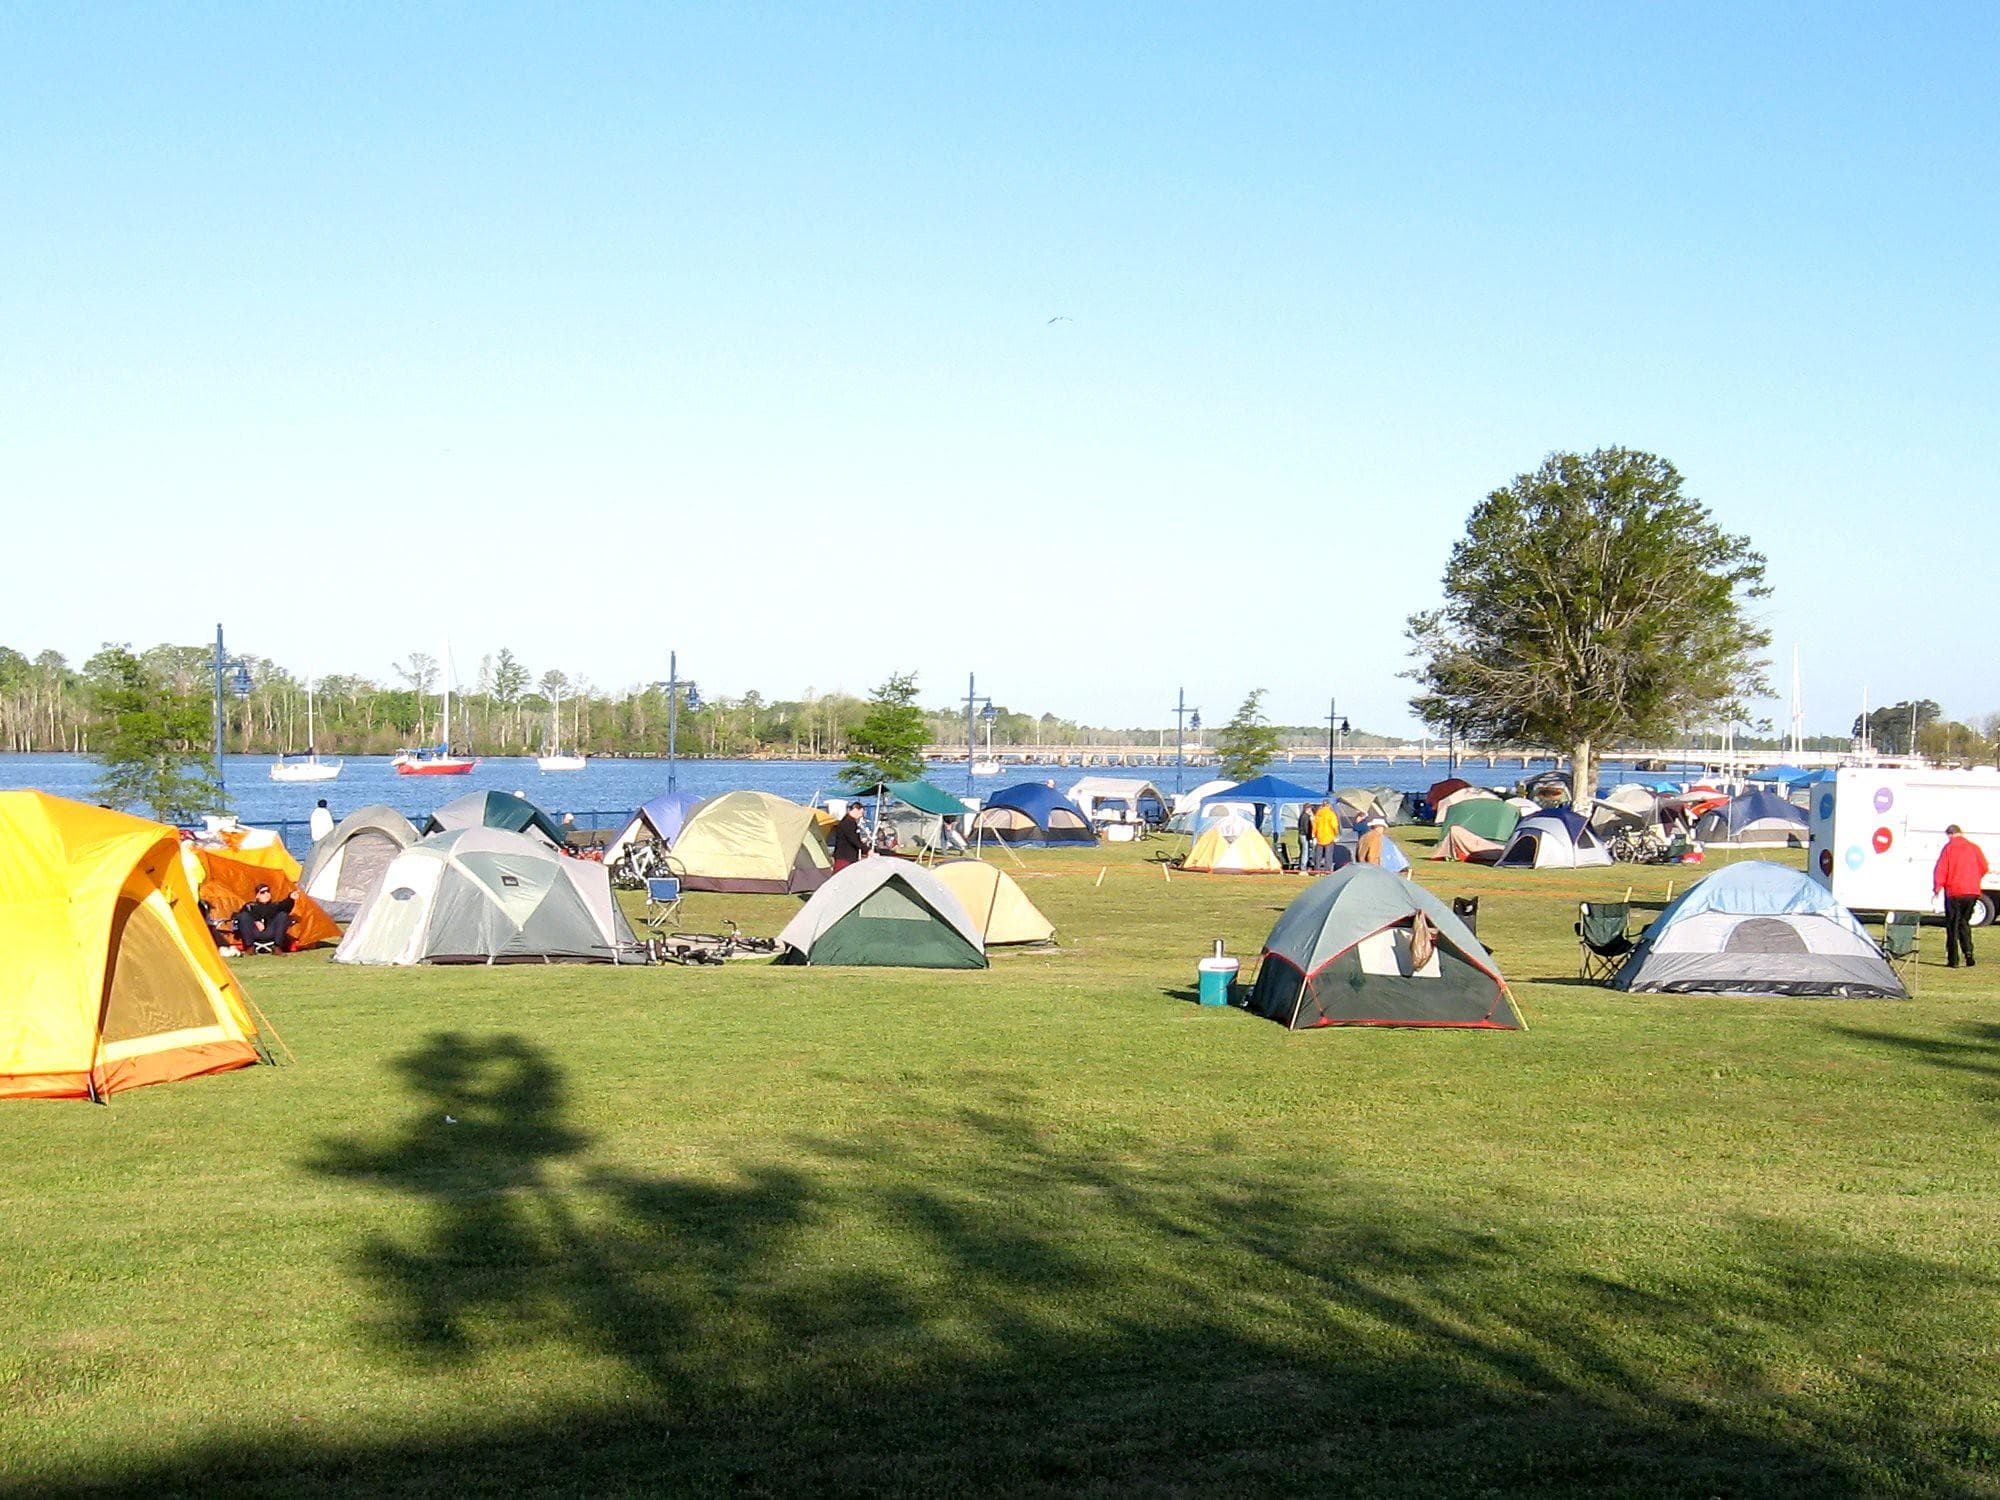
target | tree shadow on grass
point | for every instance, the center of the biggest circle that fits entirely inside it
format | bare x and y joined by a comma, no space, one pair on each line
1973,1049
984,1305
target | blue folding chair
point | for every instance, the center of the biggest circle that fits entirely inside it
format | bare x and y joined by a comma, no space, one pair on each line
663,901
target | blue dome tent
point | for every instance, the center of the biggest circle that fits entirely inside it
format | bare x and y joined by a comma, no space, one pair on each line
1031,814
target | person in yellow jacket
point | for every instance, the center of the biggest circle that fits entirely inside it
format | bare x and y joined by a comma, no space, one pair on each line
1326,833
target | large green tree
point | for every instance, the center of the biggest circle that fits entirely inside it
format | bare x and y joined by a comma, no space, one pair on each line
151,739
1897,728
888,743
1591,602
1248,742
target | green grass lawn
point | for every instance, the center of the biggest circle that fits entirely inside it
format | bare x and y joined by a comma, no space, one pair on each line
1049,1228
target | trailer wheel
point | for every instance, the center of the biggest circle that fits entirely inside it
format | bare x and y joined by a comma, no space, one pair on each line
1985,910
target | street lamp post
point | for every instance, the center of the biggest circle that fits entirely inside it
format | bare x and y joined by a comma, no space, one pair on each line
239,687
1333,719
1182,715
973,700
674,687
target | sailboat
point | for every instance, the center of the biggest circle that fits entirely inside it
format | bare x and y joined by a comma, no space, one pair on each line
438,762
307,767
551,758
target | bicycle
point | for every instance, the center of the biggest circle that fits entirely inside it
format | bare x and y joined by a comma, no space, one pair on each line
706,948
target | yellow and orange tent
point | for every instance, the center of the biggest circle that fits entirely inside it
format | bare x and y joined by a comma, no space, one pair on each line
108,977
226,880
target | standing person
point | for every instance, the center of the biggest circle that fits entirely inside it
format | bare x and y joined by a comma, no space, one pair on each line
322,821
1305,836
848,844
1959,877
1368,848
1326,833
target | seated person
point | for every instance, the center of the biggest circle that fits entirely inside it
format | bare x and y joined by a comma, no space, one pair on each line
261,923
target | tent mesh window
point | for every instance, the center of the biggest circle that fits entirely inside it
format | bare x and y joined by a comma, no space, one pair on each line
151,988
1765,935
362,862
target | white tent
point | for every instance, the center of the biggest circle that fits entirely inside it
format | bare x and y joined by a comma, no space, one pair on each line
1119,799
1557,839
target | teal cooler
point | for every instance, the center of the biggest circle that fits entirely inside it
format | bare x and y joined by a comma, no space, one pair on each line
1217,976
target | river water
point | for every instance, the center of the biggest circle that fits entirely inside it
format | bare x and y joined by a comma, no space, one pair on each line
606,790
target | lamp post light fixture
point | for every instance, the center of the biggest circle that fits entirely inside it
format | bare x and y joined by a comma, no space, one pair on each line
675,689
1333,722
973,701
238,685
1184,719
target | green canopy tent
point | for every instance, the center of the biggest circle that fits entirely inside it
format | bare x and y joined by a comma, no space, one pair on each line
884,913
1488,817
1347,952
502,810
916,810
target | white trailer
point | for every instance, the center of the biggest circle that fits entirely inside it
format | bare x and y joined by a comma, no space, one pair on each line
1876,833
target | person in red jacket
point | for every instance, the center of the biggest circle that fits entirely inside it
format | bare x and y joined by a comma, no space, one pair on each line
1960,876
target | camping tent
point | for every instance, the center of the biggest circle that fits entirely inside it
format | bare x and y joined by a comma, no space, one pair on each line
1273,794
1219,852
1188,805
1031,814
108,977
256,846
660,819
1000,910
1554,839
343,867
1119,799
752,841
916,810
883,913
226,883
1355,804
1440,806
1346,951
1759,819
1393,805
1757,928
502,810
1549,789
1627,805
1488,817
1470,848
485,895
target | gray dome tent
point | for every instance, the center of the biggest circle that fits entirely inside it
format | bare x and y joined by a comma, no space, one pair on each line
484,895
344,866
1345,954
1758,929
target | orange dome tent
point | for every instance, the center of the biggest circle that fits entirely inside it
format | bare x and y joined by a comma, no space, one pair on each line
108,977
228,880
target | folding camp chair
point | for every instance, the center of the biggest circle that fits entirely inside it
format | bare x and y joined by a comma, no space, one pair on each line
1899,945
1603,938
1466,909
663,901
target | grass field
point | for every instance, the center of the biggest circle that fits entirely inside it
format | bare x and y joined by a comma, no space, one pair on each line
1046,1228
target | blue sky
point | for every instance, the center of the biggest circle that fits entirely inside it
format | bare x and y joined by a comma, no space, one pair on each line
592,331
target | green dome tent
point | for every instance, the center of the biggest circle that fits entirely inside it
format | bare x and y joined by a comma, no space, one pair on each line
1489,817
1346,952
884,913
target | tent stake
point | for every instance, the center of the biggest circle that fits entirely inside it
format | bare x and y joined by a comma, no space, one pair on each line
1100,877
266,1021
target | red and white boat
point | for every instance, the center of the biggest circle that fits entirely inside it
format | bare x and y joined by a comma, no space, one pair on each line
438,762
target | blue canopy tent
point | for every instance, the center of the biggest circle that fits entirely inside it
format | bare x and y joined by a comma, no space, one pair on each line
1276,794
1784,776
1032,814
1753,818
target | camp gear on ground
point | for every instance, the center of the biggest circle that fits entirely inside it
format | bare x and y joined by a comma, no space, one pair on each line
752,841
343,867
109,978
1757,928
1344,953
1215,977
883,913
485,895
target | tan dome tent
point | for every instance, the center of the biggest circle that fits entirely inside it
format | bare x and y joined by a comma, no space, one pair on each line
999,908
108,976
1362,947
883,913
343,867
1218,851
485,895
754,842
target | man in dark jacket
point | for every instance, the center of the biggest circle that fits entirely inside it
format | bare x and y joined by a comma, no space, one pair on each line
1960,876
848,844
261,923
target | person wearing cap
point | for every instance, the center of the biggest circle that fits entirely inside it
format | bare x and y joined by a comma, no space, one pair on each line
1960,877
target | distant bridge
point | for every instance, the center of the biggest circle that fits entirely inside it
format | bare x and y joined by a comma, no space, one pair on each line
1424,754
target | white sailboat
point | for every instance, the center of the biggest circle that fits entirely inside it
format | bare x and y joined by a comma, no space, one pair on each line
552,758
306,767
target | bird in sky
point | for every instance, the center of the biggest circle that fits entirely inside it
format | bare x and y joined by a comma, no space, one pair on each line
1060,318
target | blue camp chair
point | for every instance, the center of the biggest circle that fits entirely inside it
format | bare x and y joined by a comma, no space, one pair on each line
663,901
